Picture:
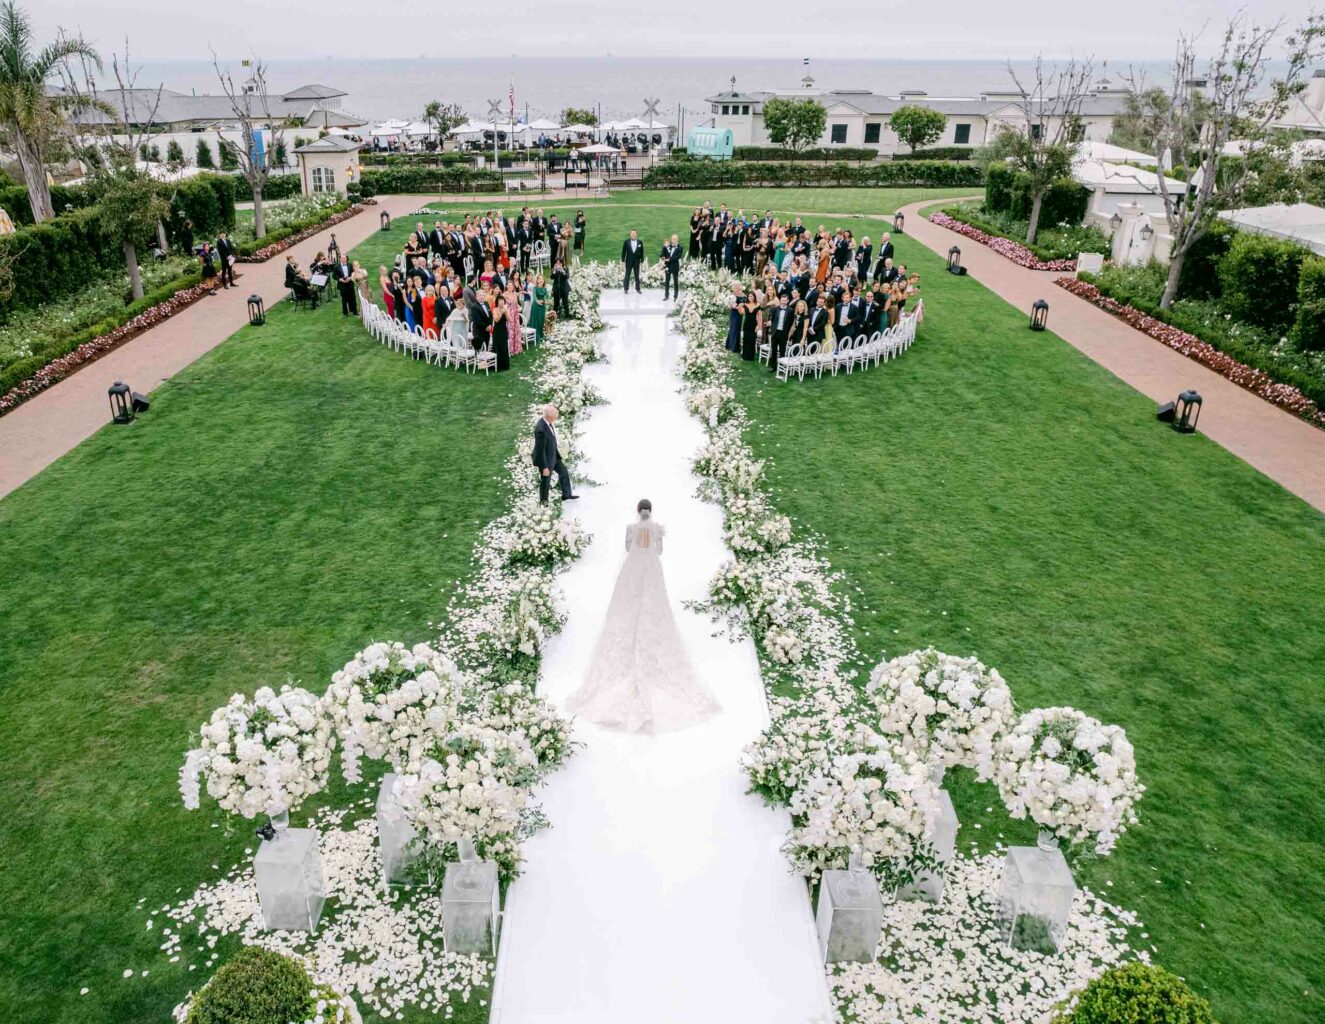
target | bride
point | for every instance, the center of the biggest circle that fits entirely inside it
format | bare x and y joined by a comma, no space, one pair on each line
641,679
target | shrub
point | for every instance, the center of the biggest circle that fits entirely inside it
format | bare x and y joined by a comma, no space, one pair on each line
1199,278
778,153
735,173
397,180
1009,191
282,186
229,162
1258,279
204,155
999,181
257,986
14,199
1136,994
207,201
1309,325
938,153
174,152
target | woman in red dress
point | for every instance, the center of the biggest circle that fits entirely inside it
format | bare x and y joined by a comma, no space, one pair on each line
430,310
385,282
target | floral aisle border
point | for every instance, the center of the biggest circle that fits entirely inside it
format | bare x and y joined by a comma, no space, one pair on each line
459,721
1258,382
857,768
1005,247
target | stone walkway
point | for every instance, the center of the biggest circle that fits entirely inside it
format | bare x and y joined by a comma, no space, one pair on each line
1283,447
42,429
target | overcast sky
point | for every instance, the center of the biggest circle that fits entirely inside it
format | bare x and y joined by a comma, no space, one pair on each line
928,30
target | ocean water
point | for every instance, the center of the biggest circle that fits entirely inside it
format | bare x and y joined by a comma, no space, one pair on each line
544,86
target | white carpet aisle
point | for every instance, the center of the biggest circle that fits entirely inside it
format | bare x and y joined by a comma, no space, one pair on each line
659,895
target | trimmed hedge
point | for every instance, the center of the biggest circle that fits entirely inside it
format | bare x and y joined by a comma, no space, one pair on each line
207,202
1259,280
939,153
737,174
279,234
1199,277
398,180
1009,191
280,186
1136,993
1309,325
15,201
778,154
256,986
434,159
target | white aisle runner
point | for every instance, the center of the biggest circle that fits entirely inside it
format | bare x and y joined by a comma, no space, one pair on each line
659,895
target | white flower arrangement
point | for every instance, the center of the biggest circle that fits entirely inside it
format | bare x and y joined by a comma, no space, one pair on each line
797,745
263,755
950,711
512,708
877,805
1070,774
538,534
390,701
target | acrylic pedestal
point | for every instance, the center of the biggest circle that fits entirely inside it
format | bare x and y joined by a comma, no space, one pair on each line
1036,901
289,874
395,833
928,885
849,917
470,905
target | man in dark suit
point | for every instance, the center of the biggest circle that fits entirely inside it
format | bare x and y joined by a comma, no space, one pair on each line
671,257
344,275
225,252
561,290
869,319
480,317
632,255
547,457
864,255
436,239
818,320
782,317
886,248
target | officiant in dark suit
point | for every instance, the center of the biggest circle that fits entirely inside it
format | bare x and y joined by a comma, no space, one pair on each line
343,272
632,255
671,258
547,457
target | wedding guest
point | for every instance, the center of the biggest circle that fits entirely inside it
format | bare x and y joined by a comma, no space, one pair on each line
207,260
226,255
344,275
671,259
750,327
500,336
361,282
538,307
735,310
561,291
581,227
512,296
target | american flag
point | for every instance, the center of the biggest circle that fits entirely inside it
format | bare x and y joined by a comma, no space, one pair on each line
512,98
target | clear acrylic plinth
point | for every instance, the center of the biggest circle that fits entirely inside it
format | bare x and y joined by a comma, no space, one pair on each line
849,916
1036,901
395,834
928,885
470,905
289,874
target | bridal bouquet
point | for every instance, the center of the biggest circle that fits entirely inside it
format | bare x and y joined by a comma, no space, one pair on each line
263,755
879,805
391,701
475,784
950,711
1072,775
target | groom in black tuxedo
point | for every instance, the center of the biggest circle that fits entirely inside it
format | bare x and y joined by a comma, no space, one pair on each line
547,457
671,257
632,255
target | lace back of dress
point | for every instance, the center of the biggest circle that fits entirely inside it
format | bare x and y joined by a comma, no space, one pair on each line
643,535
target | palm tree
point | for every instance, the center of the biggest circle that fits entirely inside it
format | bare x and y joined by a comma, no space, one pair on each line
30,116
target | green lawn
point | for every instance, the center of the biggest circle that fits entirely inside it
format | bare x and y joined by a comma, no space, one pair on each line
295,494
993,492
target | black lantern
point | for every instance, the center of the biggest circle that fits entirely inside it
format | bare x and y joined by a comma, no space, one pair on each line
256,314
1116,221
954,260
386,221
120,411
899,218
1039,314
1187,412
1146,232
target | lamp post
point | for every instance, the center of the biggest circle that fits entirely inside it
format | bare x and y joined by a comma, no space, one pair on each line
257,315
120,412
1187,413
386,221
899,219
1039,314
954,260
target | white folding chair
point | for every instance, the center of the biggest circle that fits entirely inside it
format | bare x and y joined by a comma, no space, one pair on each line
539,256
485,359
790,361
809,361
842,356
528,336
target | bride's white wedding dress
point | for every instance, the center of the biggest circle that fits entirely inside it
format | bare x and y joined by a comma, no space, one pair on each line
641,679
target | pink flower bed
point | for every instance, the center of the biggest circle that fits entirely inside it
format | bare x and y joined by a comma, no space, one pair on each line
1005,247
1258,382
268,251
58,369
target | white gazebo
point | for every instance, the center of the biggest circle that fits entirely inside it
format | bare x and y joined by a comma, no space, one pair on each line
329,164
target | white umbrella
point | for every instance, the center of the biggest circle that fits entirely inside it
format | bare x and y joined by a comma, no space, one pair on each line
543,125
596,149
579,129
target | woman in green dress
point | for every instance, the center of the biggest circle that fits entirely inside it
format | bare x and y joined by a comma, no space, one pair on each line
538,308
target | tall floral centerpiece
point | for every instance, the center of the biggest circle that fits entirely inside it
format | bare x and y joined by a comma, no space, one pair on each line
263,754
1076,779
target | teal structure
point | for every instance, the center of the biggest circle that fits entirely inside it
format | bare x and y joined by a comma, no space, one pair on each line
714,143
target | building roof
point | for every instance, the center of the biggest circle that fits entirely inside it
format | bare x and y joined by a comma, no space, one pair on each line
321,117
1104,103
1121,178
1300,222
312,92
329,144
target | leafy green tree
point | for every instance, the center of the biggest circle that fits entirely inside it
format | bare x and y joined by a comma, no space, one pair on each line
442,117
204,156
796,124
575,115
30,117
917,126
130,205
229,162
174,153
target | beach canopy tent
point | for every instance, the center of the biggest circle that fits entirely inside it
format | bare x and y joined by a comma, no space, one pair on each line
579,129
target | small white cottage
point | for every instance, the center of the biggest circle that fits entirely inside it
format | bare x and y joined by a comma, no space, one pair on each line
328,164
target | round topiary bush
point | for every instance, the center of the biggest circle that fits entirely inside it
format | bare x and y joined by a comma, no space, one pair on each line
1136,994
261,987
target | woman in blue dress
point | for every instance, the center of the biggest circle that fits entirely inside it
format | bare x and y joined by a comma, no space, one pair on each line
735,310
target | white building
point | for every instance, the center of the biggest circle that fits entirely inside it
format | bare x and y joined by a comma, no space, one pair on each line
859,118
1300,222
328,165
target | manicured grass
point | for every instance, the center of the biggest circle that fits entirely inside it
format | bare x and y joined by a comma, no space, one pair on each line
993,492
292,496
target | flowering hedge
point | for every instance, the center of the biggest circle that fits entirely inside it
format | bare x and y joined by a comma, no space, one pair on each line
1006,247
1258,382
267,251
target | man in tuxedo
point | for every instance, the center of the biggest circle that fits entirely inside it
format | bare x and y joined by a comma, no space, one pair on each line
436,239
561,290
225,252
869,319
885,272
523,240
886,248
632,255
480,317
844,325
864,255
818,320
547,457
671,257
782,317
349,299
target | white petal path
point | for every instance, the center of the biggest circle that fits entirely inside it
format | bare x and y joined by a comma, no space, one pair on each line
660,893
